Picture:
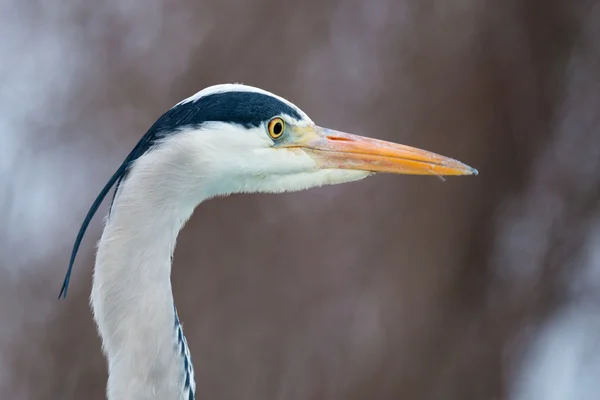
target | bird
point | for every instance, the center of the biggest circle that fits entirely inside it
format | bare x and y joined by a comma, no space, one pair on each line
225,139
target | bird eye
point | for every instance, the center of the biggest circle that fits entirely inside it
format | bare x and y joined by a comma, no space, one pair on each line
276,127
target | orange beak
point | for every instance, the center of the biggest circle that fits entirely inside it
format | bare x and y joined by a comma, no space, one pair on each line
333,149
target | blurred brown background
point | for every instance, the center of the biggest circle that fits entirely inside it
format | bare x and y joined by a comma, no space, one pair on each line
476,288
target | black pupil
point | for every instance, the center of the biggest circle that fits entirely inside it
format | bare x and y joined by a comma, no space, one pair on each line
277,128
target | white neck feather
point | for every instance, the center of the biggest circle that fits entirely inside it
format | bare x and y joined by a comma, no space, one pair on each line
131,296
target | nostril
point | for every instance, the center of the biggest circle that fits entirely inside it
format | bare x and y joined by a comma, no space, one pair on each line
339,139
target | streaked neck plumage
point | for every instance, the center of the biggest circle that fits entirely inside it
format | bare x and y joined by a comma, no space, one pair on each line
131,296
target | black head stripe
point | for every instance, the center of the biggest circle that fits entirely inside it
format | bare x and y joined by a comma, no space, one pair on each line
248,109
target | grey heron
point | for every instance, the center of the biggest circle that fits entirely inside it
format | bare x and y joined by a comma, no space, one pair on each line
225,139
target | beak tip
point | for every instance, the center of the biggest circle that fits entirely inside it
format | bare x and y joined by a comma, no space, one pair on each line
462,168
466,169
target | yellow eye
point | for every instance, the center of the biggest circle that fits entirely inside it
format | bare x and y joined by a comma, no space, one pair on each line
276,127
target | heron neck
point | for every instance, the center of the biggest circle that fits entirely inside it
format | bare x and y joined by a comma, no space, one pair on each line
132,297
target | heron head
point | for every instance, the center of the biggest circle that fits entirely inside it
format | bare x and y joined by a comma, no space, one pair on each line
238,138
234,138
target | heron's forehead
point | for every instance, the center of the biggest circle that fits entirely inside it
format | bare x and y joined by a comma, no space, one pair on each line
236,103
249,109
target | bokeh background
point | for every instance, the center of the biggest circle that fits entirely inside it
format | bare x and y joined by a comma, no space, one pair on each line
474,288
